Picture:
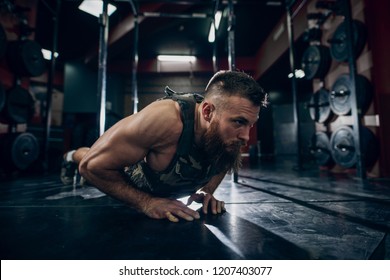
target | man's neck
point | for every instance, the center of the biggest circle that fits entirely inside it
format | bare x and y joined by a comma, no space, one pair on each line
199,128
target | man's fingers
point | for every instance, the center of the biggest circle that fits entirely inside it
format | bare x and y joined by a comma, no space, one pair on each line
219,206
214,206
186,214
210,203
195,197
179,211
171,217
206,201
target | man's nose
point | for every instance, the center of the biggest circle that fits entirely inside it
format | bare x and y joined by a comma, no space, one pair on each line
244,135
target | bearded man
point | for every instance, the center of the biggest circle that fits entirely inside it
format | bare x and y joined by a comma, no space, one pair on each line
182,144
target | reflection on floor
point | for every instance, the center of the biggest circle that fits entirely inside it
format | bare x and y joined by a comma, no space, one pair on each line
273,212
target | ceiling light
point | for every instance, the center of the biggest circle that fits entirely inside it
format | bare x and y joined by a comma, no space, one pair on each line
211,37
95,7
47,54
217,21
176,58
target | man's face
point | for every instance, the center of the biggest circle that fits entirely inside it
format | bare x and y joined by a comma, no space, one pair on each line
235,122
229,131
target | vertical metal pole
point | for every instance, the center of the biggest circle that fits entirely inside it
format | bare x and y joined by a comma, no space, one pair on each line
355,110
134,84
102,74
231,26
135,65
215,44
231,50
215,63
290,28
50,81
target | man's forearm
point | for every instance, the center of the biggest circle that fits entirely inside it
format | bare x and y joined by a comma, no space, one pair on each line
213,184
113,183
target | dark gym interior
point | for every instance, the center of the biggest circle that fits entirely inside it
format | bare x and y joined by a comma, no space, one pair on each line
315,180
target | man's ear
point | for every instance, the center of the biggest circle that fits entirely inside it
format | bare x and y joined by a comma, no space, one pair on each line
207,111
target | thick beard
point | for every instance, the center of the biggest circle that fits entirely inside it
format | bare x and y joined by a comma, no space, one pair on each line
225,157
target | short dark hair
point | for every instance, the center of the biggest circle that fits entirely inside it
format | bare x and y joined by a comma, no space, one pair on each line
236,83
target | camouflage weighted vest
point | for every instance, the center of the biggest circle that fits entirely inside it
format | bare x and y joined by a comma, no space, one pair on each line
189,169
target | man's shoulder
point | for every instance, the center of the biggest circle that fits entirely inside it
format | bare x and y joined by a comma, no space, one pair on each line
163,110
162,118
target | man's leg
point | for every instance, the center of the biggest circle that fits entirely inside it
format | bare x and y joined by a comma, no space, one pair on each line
70,165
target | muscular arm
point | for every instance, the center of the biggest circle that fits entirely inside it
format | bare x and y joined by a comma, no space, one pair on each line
213,184
151,133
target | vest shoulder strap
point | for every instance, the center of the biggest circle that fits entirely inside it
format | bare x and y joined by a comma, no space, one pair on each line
187,102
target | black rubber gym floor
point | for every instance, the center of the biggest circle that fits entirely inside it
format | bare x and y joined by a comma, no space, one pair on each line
273,212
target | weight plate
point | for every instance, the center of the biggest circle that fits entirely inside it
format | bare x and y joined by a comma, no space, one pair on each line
315,62
25,58
319,106
33,58
343,147
339,49
24,150
365,92
18,150
19,106
339,97
320,149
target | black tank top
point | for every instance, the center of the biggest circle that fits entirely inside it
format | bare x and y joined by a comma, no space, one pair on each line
189,169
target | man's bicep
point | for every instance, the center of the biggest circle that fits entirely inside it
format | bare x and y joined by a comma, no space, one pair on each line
118,147
132,138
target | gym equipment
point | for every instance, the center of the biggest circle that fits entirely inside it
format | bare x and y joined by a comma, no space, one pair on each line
343,149
19,150
19,105
316,61
320,149
340,101
25,58
319,108
339,50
